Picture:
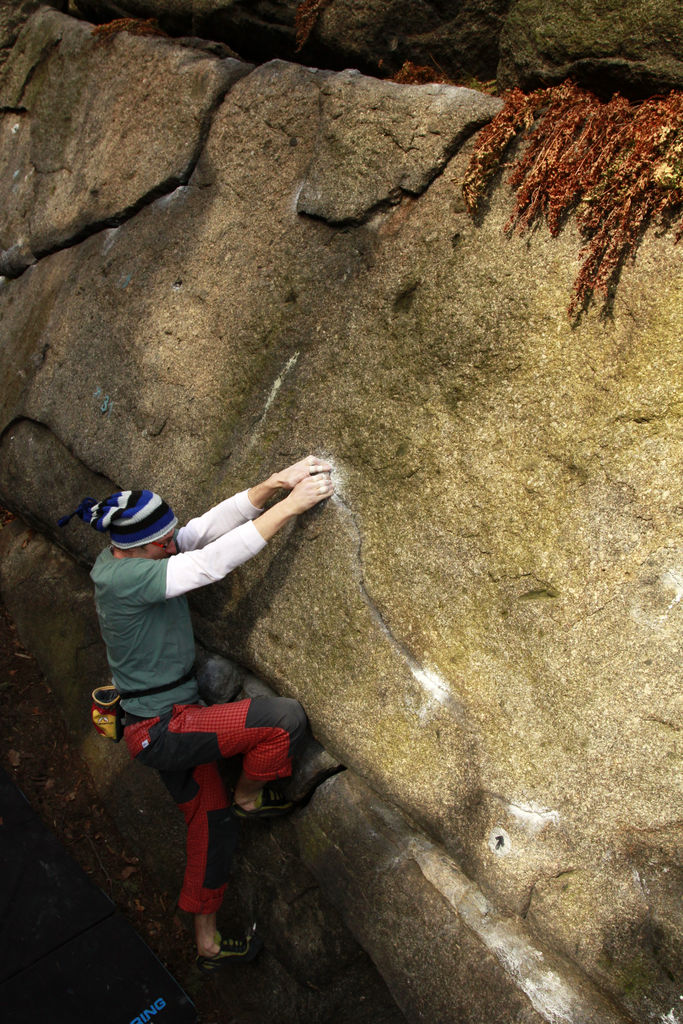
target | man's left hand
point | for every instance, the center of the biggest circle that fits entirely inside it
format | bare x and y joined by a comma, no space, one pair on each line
310,466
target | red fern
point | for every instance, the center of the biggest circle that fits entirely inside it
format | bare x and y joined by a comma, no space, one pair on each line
418,74
618,165
517,115
136,26
307,13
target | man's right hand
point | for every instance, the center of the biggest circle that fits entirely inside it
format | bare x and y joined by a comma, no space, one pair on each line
309,491
304,495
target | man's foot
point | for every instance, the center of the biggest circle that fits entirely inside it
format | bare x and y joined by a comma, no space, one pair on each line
269,803
230,951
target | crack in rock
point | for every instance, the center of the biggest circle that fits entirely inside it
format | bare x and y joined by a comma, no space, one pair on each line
315,783
524,912
378,141
272,394
435,688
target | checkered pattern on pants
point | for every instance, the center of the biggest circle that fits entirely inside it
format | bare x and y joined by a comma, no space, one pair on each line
184,746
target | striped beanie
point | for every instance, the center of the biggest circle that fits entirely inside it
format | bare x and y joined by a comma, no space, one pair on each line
132,517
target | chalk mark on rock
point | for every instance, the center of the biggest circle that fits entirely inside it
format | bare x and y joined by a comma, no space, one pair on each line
433,685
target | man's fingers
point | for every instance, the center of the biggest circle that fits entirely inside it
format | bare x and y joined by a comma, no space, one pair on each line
313,489
320,488
323,482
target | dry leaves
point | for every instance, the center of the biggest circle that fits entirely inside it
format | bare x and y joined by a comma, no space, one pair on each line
617,165
307,13
136,27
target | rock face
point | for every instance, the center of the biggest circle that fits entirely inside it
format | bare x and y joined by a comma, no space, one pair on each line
72,147
12,18
408,133
633,46
484,623
458,38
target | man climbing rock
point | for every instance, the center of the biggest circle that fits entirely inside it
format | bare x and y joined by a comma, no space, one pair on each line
140,585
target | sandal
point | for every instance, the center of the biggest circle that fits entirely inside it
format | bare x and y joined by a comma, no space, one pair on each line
235,950
269,804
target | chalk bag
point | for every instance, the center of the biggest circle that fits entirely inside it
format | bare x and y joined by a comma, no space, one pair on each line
107,713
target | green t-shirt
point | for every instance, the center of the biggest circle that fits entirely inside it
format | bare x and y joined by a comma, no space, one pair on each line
149,639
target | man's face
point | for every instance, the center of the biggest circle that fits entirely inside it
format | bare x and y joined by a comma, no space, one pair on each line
163,548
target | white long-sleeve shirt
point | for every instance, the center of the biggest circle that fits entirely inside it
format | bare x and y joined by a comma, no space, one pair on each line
213,544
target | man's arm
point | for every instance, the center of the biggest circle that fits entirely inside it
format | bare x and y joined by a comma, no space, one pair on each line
219,520
192,569
246,505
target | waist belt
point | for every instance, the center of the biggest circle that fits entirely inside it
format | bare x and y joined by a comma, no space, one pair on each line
160,689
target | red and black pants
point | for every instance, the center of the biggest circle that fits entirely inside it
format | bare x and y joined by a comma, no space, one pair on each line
184,745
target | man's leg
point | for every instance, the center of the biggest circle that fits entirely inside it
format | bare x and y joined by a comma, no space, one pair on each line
278,725
211,840
266,731
205,934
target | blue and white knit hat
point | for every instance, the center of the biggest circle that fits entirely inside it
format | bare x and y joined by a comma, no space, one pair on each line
132,517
